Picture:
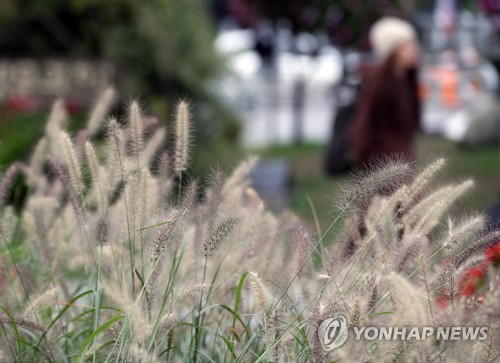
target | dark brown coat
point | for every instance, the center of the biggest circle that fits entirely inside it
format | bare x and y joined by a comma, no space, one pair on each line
387,116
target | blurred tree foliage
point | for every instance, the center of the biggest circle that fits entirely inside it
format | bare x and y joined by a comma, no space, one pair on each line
492,9
346,22
162,50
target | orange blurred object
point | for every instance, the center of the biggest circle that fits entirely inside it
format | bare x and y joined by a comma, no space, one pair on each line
447,80
449,90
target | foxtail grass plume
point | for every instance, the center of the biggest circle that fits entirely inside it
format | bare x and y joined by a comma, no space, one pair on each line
92,162
478,246
425,215
406,195
70,159
21,321
47,298
260,293
182,137
93,165
7,180
37,162
164,235
57,119
116,152
215,198
457,232
135,268
382,177
191,293
237,178
100,110
219,234
426,175
136,131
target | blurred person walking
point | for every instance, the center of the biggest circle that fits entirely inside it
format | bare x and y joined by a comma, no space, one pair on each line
388,110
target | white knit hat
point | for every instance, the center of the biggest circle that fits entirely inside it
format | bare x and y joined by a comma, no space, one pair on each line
389,33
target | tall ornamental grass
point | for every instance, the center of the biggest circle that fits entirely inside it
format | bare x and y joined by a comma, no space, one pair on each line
120,256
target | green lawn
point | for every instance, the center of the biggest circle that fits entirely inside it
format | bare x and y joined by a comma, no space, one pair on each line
483,165
18,135
20,132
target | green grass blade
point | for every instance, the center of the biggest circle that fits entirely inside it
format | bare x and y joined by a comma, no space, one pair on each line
90,339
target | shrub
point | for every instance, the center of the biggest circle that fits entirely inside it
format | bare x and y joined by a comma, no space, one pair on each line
158,49
114,259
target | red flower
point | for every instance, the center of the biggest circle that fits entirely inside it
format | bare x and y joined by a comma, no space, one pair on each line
473,279
73,106
442,301
22,104
492,254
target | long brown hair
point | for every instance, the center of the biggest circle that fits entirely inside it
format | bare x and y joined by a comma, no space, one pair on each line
383,84
388,107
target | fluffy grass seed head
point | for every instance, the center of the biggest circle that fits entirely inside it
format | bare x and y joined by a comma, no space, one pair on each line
7,180
100,111
219,234
37,162
47,298
136,129
57,119
71,161
182,137
382,177
260,292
